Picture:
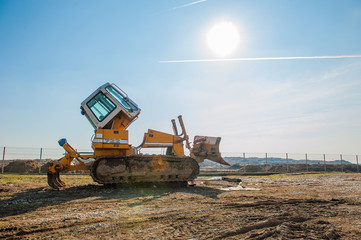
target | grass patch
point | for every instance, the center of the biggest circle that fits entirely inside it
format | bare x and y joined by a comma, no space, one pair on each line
17,178
28,178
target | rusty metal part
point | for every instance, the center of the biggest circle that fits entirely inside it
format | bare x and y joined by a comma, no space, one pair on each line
54,181
144,169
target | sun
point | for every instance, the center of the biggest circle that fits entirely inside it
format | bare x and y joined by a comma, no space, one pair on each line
223,39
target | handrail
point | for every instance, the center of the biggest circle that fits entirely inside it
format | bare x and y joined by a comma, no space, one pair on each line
118,88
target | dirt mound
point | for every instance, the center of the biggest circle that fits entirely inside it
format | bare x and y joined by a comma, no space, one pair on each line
32,166
44,167
22,166
254,168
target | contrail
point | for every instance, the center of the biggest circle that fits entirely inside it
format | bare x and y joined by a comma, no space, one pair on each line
181,6
257,59
188,4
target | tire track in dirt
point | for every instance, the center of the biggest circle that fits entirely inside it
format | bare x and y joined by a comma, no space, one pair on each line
21,232
287,223
281,218
265,224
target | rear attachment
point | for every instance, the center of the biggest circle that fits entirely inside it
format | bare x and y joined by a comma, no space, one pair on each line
65,163
54,180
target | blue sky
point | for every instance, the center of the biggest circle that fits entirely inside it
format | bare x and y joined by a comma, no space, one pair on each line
53,54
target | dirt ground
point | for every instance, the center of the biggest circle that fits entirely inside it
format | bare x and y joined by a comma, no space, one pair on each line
309,206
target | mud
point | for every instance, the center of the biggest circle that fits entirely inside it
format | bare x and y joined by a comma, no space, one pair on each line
286,207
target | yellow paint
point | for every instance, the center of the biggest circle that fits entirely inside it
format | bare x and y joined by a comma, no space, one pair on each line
110,134
156,139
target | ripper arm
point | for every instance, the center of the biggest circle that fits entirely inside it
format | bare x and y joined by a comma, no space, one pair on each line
65,163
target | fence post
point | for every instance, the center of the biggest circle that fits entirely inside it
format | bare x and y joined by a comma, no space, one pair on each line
287,162
244,162
266,163
324,162
357,162
41,154
2,169
306,163
341,163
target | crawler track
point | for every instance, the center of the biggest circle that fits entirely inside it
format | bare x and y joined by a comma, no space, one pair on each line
144,169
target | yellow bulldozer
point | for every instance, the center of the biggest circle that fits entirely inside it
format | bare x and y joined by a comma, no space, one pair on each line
110,111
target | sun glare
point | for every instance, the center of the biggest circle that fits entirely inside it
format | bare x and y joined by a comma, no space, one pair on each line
223,39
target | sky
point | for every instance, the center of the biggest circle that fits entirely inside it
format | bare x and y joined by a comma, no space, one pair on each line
53,54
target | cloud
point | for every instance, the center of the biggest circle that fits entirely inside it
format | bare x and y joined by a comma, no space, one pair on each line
258,59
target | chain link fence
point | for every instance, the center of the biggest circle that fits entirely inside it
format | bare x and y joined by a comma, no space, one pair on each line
292,162
34,160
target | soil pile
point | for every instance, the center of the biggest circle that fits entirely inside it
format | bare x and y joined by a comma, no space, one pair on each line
22,166
44,167
32,166
254,168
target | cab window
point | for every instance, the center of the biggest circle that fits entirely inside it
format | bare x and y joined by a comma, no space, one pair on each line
100,106
121,99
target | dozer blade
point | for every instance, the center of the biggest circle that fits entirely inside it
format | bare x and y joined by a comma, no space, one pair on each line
207,148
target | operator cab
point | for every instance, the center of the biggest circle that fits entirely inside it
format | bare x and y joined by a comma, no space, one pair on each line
109,107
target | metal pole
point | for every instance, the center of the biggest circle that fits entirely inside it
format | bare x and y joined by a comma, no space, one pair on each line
341,163
41,154
244,162
266,163
2,169
287,162
324,162
306,163
357,162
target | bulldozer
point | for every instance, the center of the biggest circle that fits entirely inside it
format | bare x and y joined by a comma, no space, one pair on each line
110,111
